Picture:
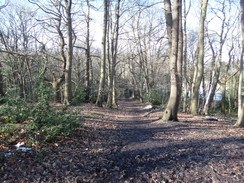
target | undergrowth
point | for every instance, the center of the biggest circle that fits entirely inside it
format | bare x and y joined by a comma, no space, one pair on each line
39,122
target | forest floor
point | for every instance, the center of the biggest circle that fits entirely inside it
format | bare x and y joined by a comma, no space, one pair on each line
132,144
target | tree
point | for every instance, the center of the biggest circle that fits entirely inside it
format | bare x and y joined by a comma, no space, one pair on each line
223,81
1,81
111,101
198,72
1,69
88,53
68,66
100,95
240,121
171,110
60,23
146,42
217,40
16,36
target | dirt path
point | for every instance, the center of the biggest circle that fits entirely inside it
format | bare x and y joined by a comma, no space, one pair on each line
131,144
145,149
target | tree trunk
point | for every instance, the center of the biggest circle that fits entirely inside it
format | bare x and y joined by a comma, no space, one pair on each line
240,121
179,57
68,68
223,99
171,110
109,58
211,92
214,79
198,73
1,82
56,90
185,62
169,23
100,96
88,55
56,87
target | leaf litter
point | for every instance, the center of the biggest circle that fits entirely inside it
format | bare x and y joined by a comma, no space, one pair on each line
132,144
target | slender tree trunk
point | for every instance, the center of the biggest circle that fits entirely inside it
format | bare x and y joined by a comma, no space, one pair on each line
214,79
240,121
68,68
223,83
179,56
211,92
88,54
198,73
171,110
114,99
109,57
100,96
185,62
240,86
223,99
1,82
114,61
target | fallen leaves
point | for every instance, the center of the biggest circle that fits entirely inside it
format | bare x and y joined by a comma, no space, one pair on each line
131,144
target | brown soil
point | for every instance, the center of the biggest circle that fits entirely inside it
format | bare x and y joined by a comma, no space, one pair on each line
131,144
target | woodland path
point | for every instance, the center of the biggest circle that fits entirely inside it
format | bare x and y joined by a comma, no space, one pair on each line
131,144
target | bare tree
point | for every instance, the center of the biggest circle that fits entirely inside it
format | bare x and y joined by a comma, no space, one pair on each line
111,101
217,54
240,121
1,69
60,16
198,72
1,82
100,95
224,79
88,53
17,41
185,59
68,66
171,110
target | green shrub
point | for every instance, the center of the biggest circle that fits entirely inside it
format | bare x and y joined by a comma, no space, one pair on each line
15,109
80,96
156,97
9,131
41,120
49,123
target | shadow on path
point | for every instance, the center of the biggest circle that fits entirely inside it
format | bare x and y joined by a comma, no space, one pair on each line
168,151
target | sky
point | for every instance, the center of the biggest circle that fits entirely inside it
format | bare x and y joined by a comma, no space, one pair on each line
192,19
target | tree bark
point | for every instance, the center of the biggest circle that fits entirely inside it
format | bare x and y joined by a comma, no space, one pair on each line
88,55
1,83
198,72
214,79
56,87
100,95
240,121
223,83
185,62
169,23
179,57
171,110
68,68
114,42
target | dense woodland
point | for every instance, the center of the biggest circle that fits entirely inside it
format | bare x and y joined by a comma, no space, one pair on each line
90,91
185,55
54,42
